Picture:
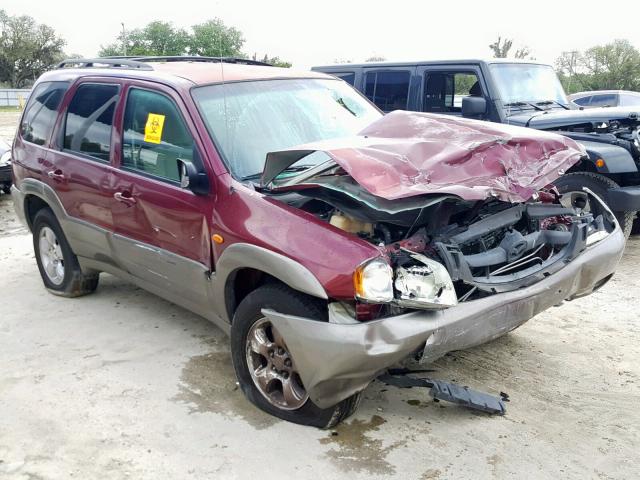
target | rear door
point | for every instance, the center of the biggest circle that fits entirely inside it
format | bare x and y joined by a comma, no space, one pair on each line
161,230
80,164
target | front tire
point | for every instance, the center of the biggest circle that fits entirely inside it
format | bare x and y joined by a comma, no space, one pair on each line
598,184
58,265
265,368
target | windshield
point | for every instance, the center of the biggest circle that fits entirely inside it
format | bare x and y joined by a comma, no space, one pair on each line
247,120
527,83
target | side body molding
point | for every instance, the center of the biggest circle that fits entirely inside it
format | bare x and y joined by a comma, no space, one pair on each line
246,255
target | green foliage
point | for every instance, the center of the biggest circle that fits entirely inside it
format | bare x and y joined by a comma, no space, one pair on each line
275,61
211,38
613,66
375,58
27,49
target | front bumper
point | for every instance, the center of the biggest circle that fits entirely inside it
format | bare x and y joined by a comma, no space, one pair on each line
337,360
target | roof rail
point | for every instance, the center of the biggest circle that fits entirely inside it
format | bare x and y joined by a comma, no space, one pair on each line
108,62
196,58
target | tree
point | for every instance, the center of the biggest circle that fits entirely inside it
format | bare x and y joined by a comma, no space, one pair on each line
275,61
501,49
157,38
214,39
27,49
375,58
615,65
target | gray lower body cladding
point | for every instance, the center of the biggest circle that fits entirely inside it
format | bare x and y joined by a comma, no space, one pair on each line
337,360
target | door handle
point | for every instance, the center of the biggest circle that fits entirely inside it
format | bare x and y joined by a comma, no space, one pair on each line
56,174
124,197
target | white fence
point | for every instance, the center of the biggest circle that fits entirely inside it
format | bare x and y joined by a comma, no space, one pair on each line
12,97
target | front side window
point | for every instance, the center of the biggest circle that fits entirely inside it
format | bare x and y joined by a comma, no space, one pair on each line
388,90
582,101
155,135
90,119
444,91
247,120
40,113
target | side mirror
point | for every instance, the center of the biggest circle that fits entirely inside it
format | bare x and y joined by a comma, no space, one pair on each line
473,107
192,179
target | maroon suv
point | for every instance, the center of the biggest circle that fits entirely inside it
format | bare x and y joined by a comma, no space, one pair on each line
331,242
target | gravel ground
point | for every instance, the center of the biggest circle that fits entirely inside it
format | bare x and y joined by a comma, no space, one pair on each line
122,384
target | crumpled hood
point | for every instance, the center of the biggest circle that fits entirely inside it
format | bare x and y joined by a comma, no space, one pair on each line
404,154
550,119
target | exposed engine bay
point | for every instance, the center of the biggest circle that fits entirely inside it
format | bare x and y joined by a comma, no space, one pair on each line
469,249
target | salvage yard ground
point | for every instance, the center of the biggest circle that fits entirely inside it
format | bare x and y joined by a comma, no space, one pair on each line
122,384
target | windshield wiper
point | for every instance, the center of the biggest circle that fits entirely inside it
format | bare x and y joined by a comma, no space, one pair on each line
523,104
291,169
552,102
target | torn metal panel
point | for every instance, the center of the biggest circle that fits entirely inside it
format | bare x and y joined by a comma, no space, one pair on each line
404,154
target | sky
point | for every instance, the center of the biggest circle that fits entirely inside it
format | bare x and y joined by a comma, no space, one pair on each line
318,33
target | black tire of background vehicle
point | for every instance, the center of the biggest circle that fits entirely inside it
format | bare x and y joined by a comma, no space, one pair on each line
6,189
75,282
281,298
598,184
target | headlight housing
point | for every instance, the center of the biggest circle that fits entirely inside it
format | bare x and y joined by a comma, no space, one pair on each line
5,158
425,286
373,281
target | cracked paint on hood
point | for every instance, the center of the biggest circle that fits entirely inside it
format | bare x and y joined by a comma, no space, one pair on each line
404,154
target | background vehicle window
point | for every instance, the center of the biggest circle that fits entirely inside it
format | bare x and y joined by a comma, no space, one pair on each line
582,101
388,90
348,77
155,135
608,100
89,120
40,113
444,91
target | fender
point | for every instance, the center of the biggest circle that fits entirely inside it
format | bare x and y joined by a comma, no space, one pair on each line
616,159
246,255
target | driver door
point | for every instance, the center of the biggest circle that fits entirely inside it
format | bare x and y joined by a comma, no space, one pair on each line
161,230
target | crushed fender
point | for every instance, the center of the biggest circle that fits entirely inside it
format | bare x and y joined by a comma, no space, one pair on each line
449,392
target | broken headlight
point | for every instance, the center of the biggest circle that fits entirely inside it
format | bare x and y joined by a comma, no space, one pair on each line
427,285
373,281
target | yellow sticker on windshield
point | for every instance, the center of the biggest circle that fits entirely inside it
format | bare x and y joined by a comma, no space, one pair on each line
153,128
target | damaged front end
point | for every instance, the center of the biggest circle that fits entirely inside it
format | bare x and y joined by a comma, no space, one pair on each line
460,263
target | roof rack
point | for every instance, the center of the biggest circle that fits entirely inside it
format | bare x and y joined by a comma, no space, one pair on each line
141,63
103,62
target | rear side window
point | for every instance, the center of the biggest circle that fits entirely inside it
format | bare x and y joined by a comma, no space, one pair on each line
348,77
388,90
41,111
89,120
607,100
155,135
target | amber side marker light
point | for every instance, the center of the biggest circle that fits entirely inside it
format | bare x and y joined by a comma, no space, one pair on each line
217,238
599,163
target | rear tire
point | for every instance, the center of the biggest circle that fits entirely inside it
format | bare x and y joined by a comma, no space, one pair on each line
247,317
598,184
58,265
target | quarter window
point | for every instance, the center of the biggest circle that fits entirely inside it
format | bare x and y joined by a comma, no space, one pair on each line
388,90
155,135
89,120
582,101
40,114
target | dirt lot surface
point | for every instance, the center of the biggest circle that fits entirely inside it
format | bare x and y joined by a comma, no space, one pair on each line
122,384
